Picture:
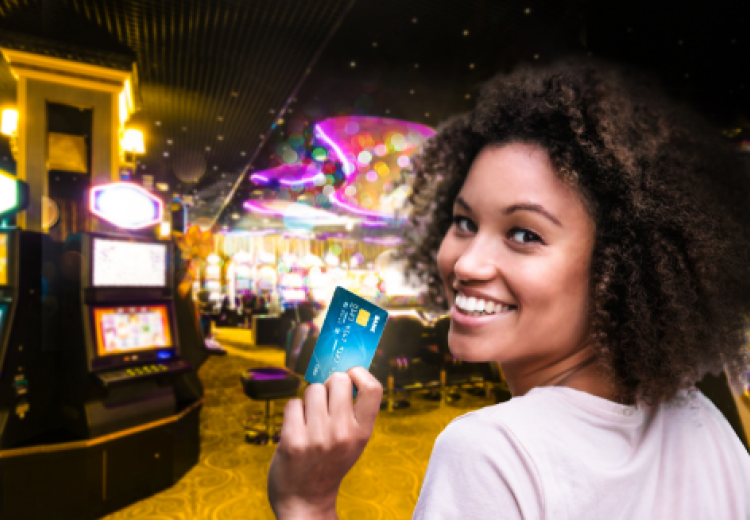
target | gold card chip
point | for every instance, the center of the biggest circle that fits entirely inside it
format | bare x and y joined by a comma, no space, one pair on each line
362,317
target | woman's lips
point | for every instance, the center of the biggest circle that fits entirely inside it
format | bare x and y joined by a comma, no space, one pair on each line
465,320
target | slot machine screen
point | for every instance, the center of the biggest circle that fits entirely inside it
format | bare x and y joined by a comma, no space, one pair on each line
293,295
3,260
124,330
3,312
118,263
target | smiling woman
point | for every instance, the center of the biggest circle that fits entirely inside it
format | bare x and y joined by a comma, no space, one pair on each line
658,202
593,238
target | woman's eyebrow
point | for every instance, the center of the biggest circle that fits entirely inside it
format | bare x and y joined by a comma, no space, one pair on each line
516,207
531,207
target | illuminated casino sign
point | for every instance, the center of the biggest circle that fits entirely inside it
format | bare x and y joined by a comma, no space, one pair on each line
14,195
126,205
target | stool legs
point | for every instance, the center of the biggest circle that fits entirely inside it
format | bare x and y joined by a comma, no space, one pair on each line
255,435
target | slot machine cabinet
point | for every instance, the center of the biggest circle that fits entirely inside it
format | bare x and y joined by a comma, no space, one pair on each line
127,431
27,370
128,349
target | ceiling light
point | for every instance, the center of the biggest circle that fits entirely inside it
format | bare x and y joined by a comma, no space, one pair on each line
242,154
528,10
414,20
353,64
466,33
220,137
158,123
208,148
169,141
471,65
374,44
166,154
220,118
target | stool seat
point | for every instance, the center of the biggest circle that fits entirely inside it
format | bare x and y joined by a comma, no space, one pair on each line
269,383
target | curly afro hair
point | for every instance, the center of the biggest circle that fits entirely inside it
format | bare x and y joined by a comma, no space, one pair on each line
670,274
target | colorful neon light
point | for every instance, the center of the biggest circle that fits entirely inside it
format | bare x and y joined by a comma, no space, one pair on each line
348,167
127,206
290,175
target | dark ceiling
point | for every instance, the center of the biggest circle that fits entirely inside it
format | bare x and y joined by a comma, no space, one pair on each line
224,83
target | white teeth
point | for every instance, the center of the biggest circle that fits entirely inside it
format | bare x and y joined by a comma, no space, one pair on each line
473,305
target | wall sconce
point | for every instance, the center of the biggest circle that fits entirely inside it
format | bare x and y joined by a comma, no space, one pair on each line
132,141
9,127
131,144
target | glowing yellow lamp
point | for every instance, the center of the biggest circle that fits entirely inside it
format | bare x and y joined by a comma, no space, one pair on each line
133,141
9,121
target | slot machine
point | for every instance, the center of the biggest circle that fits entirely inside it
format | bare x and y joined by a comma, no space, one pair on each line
26,371
128,344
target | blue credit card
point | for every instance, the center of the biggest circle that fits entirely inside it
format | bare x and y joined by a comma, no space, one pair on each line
349,337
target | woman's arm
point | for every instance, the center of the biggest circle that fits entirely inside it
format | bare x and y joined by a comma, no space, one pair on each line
321,439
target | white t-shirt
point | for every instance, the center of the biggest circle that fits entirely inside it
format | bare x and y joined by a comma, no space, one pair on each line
562,454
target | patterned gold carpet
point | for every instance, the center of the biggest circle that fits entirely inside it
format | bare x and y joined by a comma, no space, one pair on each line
229,482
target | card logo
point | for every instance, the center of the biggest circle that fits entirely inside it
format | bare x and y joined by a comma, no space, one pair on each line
374,323
362,317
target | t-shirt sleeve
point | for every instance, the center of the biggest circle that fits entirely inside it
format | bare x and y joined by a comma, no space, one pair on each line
478,470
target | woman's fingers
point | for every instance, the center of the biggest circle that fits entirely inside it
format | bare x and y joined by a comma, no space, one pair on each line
369,395
316,412
294,422
339,386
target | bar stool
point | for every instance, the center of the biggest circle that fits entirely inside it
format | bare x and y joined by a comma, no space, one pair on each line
267,384
401,343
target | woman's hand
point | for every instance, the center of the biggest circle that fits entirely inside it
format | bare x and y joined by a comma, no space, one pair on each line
321,439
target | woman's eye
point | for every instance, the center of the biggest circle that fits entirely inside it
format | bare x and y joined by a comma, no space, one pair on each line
463,224
524,236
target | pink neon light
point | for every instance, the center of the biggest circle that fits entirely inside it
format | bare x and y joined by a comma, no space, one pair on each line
255,178
333,132
349,168
285,174
106,214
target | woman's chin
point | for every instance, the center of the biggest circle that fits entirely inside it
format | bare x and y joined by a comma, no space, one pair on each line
470,353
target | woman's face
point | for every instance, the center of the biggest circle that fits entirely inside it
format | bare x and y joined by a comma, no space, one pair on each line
522,240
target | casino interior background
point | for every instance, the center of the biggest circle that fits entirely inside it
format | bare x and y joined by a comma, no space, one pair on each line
249,156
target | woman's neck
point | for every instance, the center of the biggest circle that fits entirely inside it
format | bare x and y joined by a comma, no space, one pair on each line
580,370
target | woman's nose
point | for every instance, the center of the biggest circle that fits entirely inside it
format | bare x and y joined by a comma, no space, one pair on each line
476,262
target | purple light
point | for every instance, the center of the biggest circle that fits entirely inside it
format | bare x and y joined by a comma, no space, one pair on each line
288,174
255,178
348,167
293,182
